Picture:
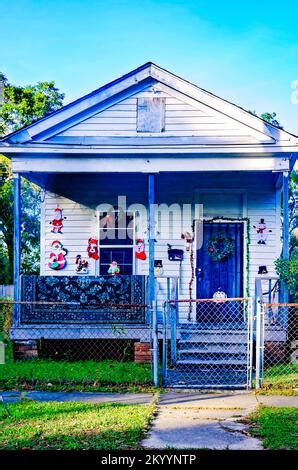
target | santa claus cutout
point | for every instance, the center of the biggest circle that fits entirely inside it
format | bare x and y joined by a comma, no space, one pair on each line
57,259
57,221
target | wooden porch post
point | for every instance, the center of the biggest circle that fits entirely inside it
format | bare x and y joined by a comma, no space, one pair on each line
151,286
17,245
285,231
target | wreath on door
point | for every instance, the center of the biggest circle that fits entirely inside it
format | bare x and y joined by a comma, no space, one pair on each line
220,247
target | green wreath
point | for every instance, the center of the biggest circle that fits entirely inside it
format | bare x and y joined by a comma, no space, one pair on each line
220,247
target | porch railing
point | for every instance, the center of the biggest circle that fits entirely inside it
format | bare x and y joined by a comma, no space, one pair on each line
89,299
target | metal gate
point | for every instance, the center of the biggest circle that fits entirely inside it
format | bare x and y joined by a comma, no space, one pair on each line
208,343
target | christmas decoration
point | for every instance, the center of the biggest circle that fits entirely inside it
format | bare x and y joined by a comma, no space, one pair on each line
57,259
140,250
114,269
82,265
262,232
220,247
188,238
219,295
57,221
263,270
92,248
158,267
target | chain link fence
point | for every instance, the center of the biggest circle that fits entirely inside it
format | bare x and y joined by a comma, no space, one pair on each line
115,350
277,346
210,346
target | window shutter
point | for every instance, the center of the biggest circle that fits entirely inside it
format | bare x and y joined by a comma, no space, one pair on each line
151,114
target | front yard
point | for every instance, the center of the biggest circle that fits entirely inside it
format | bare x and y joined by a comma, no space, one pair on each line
31,425
280,380
89,376
276,426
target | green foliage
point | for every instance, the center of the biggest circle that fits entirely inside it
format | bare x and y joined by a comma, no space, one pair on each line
277,427
5,319
78,375
271,118
30,225
23,105
288,272
73,426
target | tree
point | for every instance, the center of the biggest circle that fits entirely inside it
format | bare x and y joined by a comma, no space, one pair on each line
21,106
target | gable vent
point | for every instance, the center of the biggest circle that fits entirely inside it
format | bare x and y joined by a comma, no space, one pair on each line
151,114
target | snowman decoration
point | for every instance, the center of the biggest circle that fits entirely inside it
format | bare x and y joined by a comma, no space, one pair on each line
57,221
114,269
57,259
262,232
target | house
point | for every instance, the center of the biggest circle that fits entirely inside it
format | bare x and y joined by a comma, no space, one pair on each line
151,175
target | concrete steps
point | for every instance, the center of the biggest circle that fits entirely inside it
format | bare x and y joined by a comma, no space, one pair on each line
210,357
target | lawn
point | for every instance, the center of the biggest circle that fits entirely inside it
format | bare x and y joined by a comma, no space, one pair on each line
32,425
80,376
280,380
276,426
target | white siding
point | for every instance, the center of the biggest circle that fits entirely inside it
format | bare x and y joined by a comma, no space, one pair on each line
181,119
80,224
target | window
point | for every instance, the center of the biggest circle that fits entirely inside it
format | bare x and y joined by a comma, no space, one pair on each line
116,240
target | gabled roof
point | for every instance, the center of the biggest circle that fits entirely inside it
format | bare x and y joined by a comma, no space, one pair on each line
59,128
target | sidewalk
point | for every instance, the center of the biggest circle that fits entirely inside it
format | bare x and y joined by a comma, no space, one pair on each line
92,397
208,421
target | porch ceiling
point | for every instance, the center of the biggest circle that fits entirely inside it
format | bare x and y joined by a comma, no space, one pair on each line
91,189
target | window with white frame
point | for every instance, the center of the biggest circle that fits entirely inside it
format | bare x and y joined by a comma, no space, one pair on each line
116,241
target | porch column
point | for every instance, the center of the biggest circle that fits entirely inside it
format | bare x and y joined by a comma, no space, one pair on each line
16,245
285,231
151,284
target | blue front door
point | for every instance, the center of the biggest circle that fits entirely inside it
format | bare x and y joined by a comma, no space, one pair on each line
225,275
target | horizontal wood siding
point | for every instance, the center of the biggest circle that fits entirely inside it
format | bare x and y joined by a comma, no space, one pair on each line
81,224
181,119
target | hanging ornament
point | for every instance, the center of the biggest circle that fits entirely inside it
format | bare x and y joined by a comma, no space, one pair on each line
82,265
92,248
140,250
220,247
262,232
188,239
114,269
57,221
57,259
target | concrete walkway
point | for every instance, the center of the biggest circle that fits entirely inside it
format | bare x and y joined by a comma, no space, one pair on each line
92,397
185,419
207,421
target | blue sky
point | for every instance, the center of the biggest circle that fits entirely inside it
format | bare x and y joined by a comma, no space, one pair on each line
246,52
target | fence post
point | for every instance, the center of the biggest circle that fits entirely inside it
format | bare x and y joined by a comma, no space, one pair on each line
259,343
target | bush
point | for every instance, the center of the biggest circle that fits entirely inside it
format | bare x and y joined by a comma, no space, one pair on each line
5,319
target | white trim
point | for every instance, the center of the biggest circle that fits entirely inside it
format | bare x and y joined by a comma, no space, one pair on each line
146,165
42,247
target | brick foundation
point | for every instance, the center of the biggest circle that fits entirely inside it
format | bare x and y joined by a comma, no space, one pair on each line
142,352
25,349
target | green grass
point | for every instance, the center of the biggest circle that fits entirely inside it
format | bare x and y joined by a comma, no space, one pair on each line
80,376
280,380
276,426
46,426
